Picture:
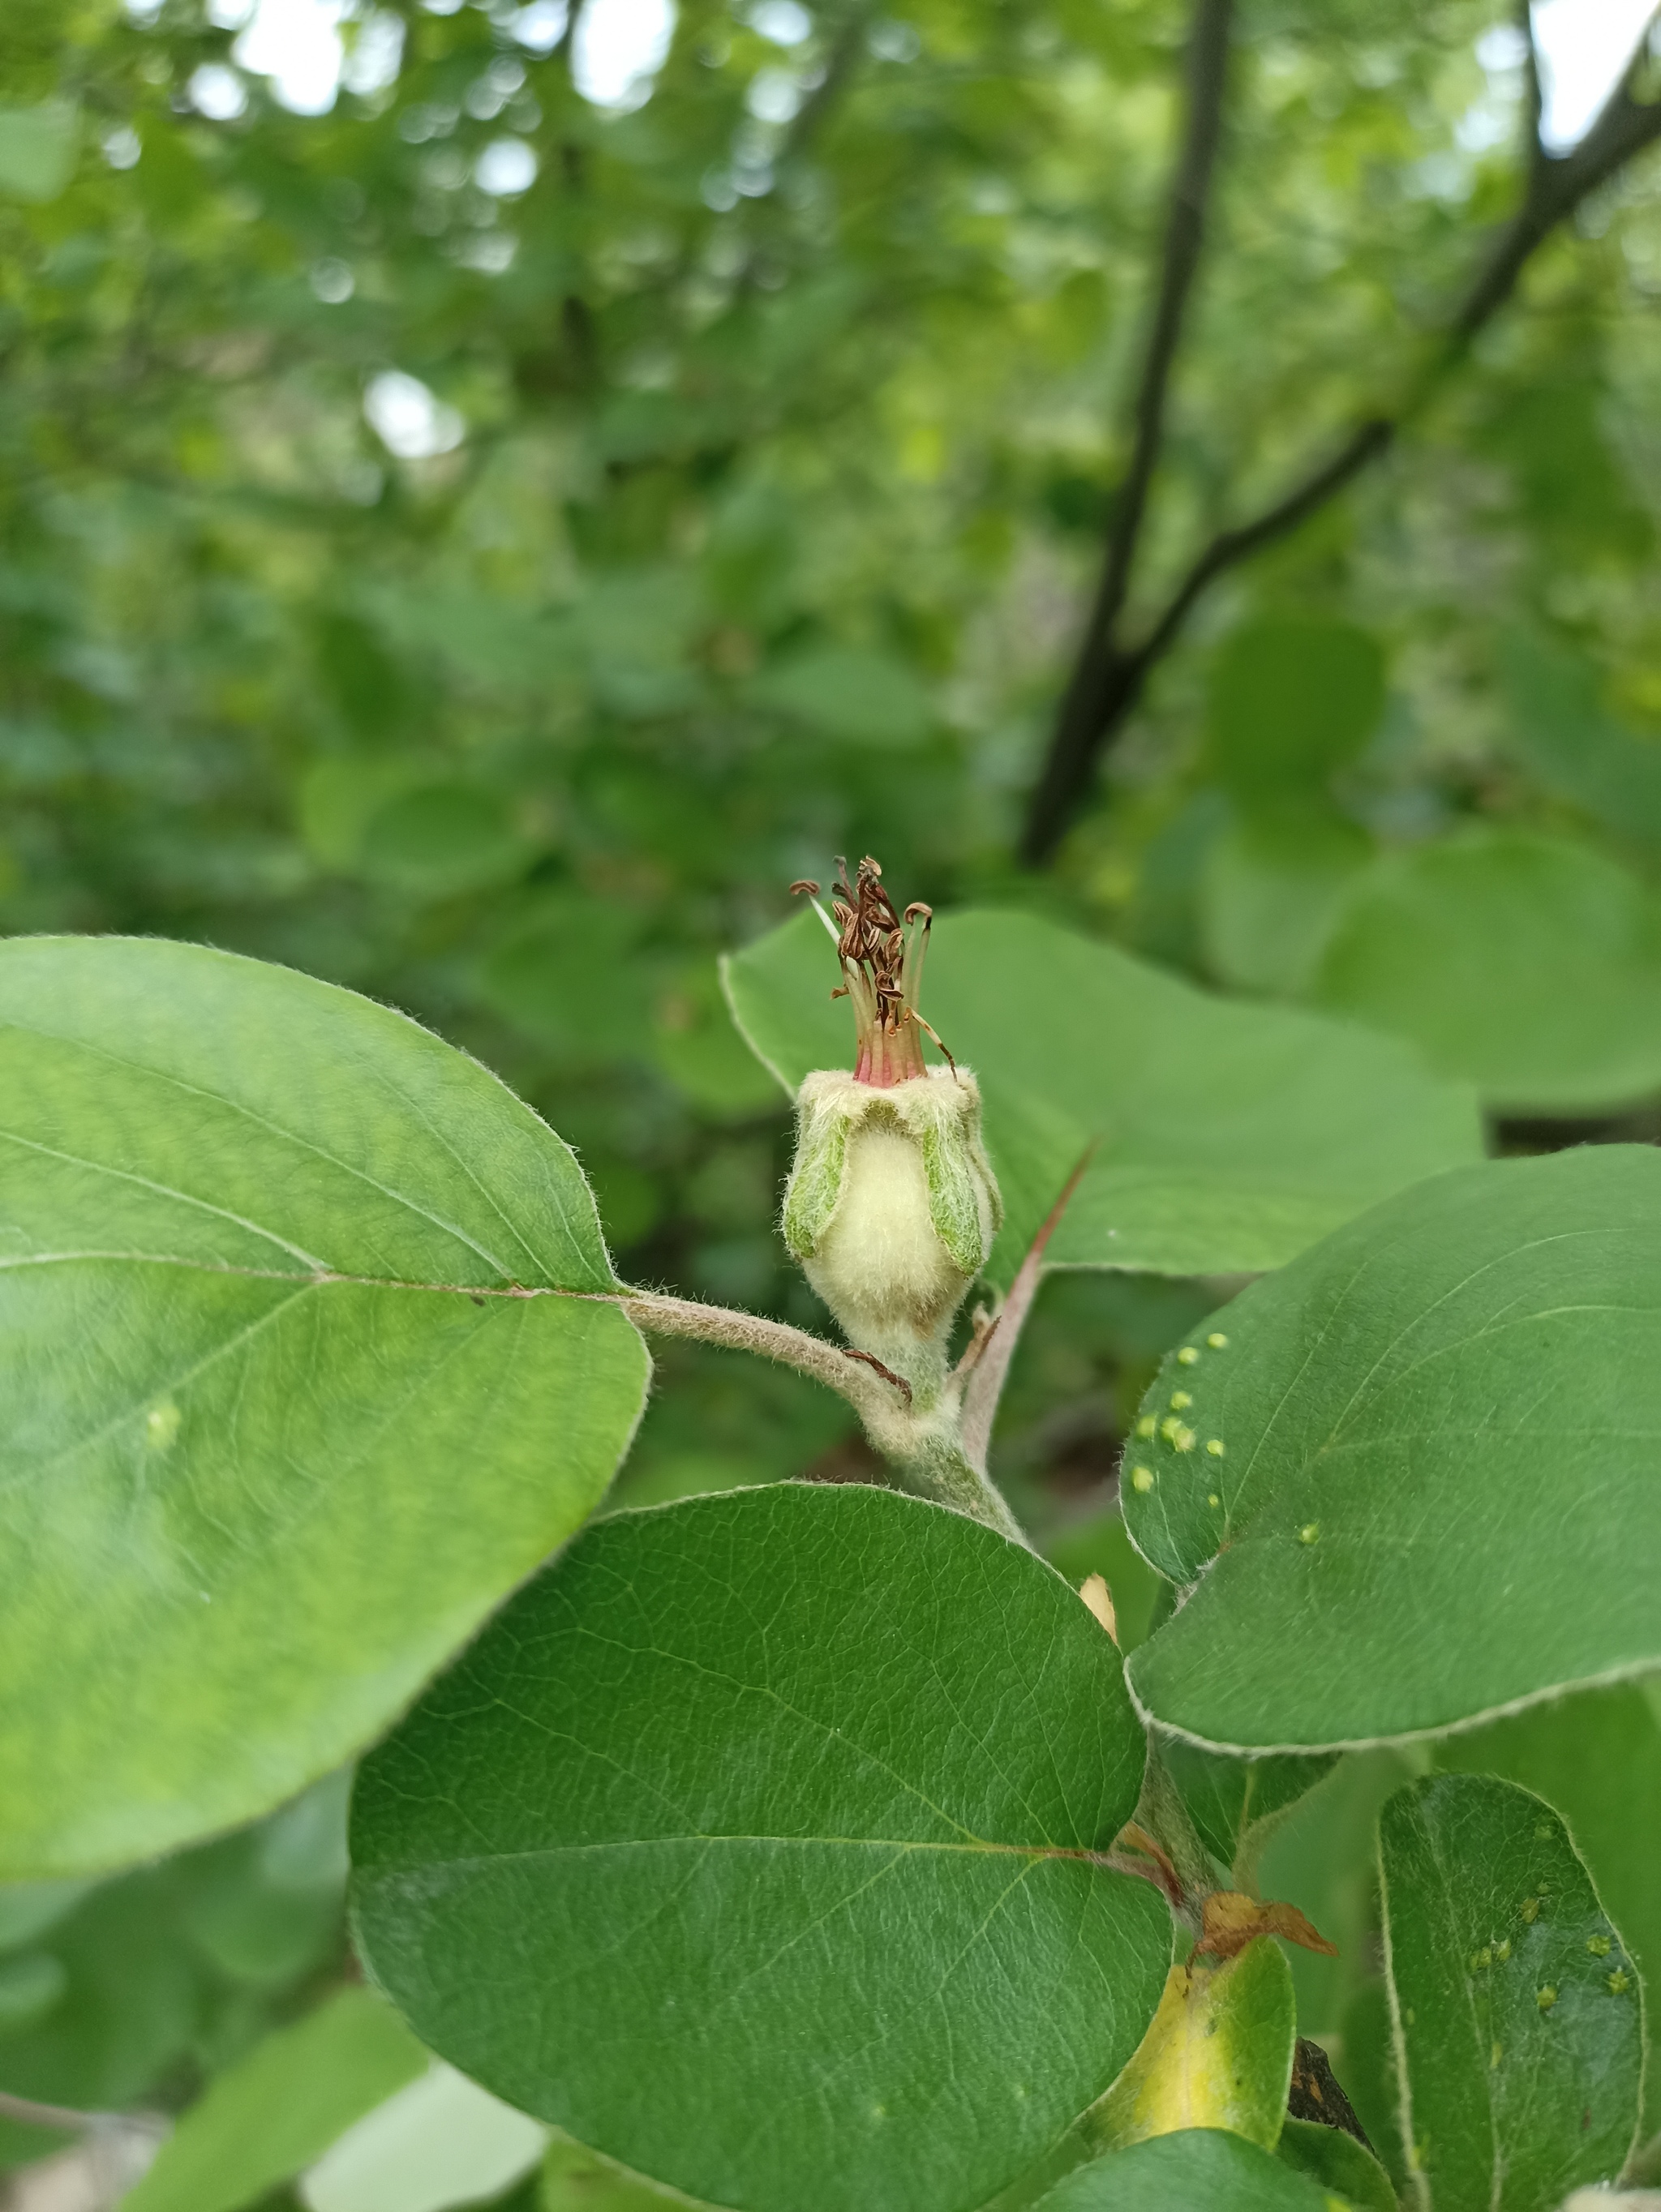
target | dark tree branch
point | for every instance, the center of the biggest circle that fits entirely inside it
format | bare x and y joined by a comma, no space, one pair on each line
1553,189
1093,690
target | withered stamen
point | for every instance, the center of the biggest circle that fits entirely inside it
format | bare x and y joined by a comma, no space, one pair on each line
881,954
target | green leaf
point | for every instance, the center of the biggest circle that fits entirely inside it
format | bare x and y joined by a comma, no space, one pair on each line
1218,2054
38,148
1226,1797
31,1984
441,839
1228,1137
32,1907
280,2106
1338,2162
132,2002
1598,1759
1526,964
145,1979
1292,700
842,691
1371,2081
1269,894
1200,2170
792,1795
1322,1859
254,1342
1577,749
1516,2006
439,2142
1436,1494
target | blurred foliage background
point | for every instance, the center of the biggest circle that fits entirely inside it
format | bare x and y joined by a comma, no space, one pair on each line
478,542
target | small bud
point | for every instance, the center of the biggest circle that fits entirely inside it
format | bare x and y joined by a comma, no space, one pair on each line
892,1205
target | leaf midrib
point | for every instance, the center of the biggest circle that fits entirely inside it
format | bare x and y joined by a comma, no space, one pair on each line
284,1135
474,1862
310,1279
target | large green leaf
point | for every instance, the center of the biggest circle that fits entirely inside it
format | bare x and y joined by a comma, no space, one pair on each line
754,1845
1200,2170
1598,1759
1291,702
1517,2008
1527,964
283,2104
1421,1468
1228,1137
259,1333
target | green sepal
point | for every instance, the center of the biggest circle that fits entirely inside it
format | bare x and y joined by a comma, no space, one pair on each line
954,1203
815,1185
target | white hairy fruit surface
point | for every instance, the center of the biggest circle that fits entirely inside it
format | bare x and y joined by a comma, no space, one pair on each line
881,1256
891,1209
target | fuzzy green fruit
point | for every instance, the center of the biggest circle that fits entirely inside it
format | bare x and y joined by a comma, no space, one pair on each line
891,1208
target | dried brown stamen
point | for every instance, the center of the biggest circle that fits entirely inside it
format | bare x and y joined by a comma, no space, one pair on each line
881,954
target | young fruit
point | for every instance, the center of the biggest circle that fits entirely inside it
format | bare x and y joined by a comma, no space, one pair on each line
892,1205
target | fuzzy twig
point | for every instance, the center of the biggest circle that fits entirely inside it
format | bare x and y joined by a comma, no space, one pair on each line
877,1396
923,1447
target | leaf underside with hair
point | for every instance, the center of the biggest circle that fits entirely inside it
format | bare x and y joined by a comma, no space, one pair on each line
1516,2004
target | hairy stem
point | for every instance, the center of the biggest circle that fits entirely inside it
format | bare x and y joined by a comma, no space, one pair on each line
934,1464
876,1395
922,1446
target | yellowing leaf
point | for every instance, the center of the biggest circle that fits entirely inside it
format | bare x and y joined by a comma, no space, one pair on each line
1218,2055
